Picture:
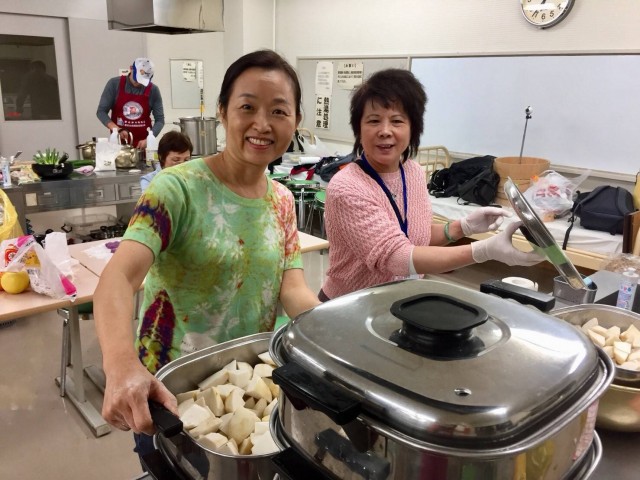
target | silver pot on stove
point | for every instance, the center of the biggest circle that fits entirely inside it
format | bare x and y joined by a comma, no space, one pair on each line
422,379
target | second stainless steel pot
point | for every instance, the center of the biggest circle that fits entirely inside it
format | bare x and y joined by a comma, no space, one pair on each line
202,133
449,383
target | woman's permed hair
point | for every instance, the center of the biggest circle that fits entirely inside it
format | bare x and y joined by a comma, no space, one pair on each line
265,59
173,141
388,87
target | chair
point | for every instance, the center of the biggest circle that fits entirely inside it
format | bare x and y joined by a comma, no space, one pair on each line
317,206
433,158
304,192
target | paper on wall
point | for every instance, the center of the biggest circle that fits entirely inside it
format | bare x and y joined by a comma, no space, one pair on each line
324,78
349,75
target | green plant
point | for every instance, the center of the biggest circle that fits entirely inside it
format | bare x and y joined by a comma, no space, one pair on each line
49,157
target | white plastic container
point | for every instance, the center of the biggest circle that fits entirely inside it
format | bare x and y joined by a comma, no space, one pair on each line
114,137
151,153
5,163
627,290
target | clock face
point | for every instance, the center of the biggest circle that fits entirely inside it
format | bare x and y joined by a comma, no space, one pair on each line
545,13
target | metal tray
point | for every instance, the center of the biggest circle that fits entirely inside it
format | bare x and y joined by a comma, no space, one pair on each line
539,237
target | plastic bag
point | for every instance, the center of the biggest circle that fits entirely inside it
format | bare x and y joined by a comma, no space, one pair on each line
9,225
552,194
106,154
24,253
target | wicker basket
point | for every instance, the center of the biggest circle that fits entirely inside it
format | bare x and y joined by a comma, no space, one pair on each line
520,170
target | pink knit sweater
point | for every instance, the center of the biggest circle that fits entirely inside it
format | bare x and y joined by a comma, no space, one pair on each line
367,246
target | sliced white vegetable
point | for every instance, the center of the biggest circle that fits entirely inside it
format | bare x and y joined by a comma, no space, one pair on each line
211,424
597,338
229,448
266,358
245,366
200,401
194,416
266,418
260,406
226,389
258,389
260,427
609,350
245,447
600,330
214,401
270,407
262,370
232,365
241,424
186,405
619,356
250,404
213,441
275,389
234,401
225,422
181,397
263,444
240,378
630,334
634,366
624,346
633,356
219,378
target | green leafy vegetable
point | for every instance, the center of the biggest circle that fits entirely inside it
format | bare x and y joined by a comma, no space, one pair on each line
49,157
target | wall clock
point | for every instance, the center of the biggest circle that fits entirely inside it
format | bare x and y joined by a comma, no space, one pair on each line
545,13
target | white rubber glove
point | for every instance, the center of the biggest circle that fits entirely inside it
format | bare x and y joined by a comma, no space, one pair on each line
485,219
500,248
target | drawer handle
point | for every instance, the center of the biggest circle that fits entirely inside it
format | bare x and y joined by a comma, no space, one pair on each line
96,194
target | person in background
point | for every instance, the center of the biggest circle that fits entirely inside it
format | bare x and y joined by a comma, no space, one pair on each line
174,148
42,90
217,242
132,99
378,212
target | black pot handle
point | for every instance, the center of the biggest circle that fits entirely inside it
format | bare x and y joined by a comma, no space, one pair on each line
304,389
526,296
165,421
290,465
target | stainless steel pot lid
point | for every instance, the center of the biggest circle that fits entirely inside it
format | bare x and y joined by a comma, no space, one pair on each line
505,372
540,238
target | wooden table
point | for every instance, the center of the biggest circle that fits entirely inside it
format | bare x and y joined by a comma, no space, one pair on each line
96,264
31,303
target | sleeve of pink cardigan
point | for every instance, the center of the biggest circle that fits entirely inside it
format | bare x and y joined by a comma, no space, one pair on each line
369,229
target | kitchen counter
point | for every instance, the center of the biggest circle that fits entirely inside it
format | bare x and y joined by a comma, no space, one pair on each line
76,191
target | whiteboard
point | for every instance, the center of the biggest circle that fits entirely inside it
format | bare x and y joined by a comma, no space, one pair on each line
339,127
586,108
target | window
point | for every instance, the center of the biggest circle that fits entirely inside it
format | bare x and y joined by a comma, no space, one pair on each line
28,78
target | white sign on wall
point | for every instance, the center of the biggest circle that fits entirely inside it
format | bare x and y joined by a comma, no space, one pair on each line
349,75
323,111
324,78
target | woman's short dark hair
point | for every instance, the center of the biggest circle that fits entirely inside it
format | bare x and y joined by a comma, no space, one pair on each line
173,141
265,59
387,87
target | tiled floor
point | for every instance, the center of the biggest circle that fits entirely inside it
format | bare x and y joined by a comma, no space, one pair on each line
43,436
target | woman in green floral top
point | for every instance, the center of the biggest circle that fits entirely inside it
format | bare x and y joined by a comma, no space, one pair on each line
217,242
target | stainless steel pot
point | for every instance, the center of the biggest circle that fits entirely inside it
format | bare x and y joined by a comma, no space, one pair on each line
183,375
87,151
202,133
449,383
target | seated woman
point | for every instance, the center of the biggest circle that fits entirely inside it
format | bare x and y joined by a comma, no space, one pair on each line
378,214
174,148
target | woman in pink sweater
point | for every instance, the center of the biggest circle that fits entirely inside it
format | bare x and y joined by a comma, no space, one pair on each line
378,213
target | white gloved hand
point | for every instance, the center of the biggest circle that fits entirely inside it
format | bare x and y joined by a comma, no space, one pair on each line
500,248
485,219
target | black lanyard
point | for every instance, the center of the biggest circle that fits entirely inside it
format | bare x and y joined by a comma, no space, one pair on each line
368,169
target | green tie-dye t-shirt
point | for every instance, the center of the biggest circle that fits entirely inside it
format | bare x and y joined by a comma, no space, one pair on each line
219,261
